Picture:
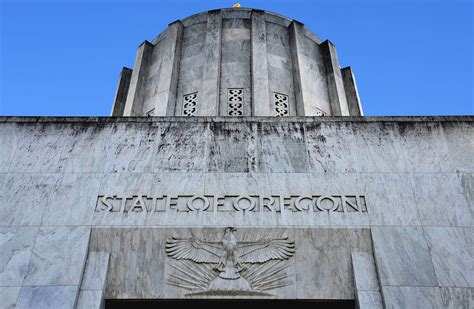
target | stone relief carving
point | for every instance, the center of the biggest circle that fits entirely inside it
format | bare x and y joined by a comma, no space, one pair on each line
189,104
235,102
281,104
319,113
230,266
150,113
232,203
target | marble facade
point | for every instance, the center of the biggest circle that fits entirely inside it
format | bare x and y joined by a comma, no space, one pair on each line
372,211
412,246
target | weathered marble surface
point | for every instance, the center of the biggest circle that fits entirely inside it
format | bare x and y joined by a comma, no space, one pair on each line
47,297
40,149
95,273
433,206
402,256
90,299
287,156
70,200
365,274
331,149
454,298
460,144
392,201
419,216
86,150
134,253
467,184
369,300
429,140
412,297
58,256
327,252
15,252
452,253
129,152
9,296
366,285
10,136
26,190
378,144
92,290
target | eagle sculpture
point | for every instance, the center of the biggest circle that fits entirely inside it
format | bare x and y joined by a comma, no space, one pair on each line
229,255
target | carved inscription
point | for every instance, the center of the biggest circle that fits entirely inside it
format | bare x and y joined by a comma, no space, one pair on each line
231,203
231,266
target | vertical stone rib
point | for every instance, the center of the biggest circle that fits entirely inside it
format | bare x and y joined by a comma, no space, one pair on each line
337,94
260,87
134,103
208,96
352,94
168,87
298,63
121,92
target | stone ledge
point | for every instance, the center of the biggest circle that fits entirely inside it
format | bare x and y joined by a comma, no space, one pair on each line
144,119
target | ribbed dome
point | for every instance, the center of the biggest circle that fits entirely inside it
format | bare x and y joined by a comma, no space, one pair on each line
236,62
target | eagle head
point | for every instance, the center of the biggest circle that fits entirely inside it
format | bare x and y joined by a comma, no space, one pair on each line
230,229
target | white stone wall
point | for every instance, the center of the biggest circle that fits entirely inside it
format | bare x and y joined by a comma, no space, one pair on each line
415,174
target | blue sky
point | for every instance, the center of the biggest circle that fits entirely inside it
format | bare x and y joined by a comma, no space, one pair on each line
410,57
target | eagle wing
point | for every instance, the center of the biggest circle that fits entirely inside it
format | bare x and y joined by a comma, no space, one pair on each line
193,249
265,250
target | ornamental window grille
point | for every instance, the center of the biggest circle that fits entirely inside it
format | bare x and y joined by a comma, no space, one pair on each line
189,104
150,113
319,113
235,100
281,104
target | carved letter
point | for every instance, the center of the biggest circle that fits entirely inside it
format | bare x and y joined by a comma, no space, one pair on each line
287,203
123,202
305,206
362,203
171,202
266,202
320,205
346,201
139,203
155,204
238,205
104,204
192,205
218,203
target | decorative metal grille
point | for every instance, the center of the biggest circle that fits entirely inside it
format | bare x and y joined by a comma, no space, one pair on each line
235,99
320,112
151,112
189,104
281,104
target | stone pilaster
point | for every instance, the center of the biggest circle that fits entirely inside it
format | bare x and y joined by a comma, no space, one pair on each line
208,98
134,102
92,292
170,48
302,95
121,92
260,88
337,94
352,95
366,285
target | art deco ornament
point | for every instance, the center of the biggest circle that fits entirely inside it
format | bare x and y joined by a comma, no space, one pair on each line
237,267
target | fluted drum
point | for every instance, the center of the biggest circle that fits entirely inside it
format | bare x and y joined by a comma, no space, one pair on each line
237,62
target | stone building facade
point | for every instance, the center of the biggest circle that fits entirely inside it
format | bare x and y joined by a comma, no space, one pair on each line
373,212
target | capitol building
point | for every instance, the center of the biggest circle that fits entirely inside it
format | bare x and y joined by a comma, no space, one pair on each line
237,166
